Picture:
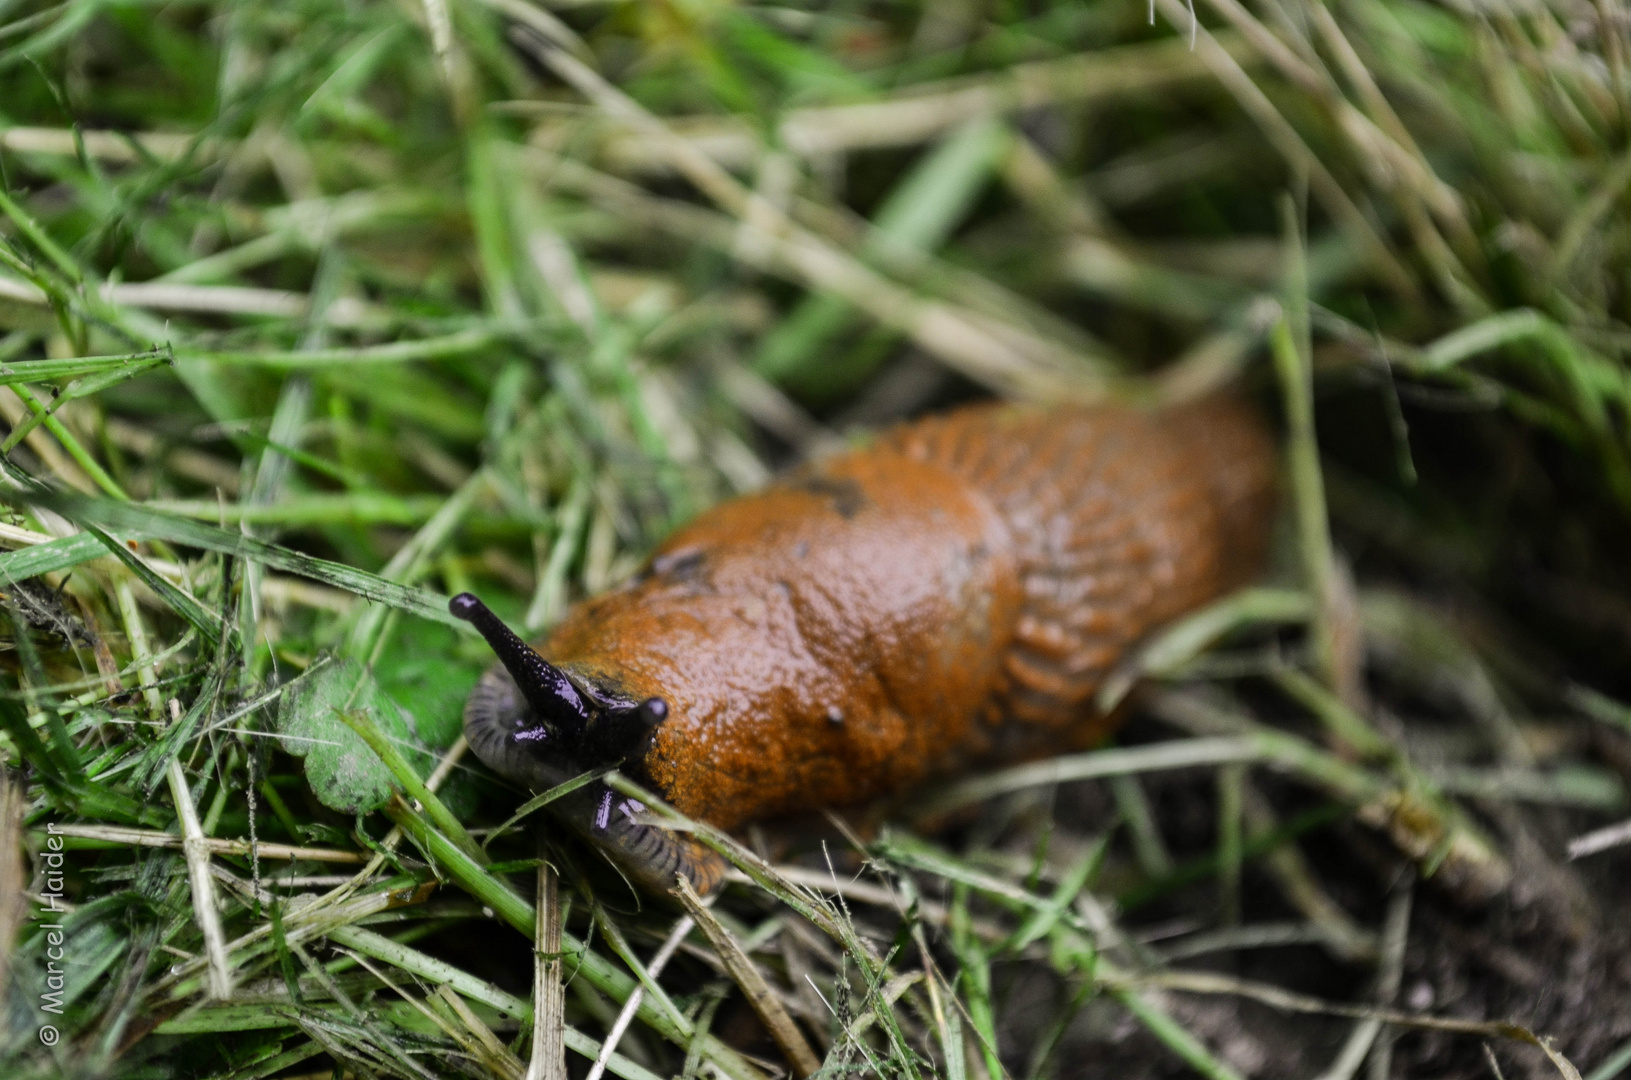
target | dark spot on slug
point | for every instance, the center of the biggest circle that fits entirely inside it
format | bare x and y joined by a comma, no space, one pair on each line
846,495
680,566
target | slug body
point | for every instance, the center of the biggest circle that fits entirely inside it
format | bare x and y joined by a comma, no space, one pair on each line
953,593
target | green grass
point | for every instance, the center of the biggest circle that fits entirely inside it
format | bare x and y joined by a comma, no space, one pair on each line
313,314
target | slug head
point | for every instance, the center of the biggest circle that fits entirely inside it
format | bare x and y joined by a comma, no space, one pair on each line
539,726
566,724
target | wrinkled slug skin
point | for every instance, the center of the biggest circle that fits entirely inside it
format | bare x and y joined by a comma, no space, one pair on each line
956,591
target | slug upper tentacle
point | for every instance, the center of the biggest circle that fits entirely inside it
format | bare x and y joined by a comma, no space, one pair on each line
953,593
565,719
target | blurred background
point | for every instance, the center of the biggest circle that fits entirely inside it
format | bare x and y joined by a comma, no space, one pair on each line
494,294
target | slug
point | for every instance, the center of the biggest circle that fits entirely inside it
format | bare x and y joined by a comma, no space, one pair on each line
952,594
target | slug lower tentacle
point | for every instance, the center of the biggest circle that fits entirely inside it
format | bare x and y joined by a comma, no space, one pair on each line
954,593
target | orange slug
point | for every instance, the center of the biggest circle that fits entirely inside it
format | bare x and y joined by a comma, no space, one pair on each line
953,593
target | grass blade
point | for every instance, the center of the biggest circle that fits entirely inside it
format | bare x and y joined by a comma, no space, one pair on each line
129,518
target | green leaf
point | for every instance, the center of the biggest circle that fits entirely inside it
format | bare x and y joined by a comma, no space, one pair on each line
424,673
389,751
343,772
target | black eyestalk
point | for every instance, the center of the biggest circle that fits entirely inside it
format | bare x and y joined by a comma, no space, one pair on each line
620,734
553,698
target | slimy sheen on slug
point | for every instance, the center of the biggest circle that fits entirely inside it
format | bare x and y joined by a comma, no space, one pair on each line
951,595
